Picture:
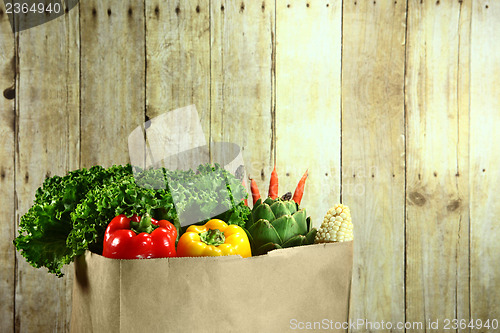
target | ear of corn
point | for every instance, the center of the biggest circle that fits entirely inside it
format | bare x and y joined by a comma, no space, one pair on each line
337,226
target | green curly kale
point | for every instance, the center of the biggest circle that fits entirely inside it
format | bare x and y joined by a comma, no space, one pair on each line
70,214
44,229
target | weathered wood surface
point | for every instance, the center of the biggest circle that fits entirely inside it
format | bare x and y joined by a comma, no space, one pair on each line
307,121
373,160
178,32
186,83
112,79
242,84
484,162
47,144
7,172
437,220
392,105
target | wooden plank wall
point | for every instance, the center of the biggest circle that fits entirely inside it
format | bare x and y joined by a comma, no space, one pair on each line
484,160
308,100
112,78
373,153
47,143
437,160
7,172
392,105
242,83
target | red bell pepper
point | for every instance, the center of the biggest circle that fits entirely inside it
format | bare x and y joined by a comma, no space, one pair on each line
135,237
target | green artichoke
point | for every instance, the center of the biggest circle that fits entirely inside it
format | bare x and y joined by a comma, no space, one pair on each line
278,223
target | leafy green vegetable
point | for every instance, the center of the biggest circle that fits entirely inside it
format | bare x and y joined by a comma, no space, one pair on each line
70,213
44,229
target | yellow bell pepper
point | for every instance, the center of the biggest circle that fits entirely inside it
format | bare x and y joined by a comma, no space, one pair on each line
213,239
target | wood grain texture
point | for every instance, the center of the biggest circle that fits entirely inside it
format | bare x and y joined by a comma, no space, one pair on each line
178,73
112,78
308,64
7,177
394,102
463,187
47,144
437,141
373,162
178,57
242,85
484,162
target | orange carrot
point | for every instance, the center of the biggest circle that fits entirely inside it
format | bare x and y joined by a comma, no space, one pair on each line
299,191
255,190
273,184
244,185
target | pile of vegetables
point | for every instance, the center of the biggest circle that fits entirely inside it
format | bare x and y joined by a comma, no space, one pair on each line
278,223
127,213
70,214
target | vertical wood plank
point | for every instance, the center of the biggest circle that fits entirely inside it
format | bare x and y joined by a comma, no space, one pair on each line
7,193
463,187
178,72
112,78
178,57
437,139
242,46
485,163
308,65
47,144
373,162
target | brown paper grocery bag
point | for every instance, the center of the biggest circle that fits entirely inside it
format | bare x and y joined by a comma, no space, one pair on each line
286,290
